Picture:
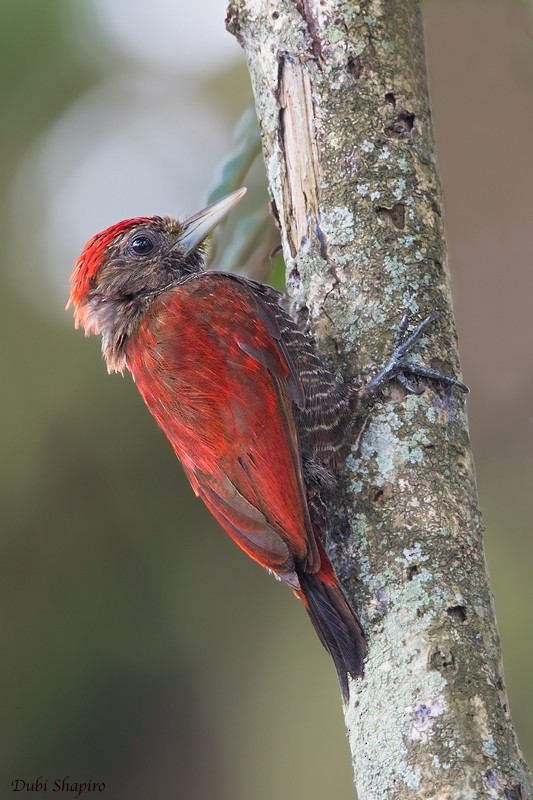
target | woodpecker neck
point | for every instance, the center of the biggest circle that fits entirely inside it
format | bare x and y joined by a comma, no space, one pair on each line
116,305
116,320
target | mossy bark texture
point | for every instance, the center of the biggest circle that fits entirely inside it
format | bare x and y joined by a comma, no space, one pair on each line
342,100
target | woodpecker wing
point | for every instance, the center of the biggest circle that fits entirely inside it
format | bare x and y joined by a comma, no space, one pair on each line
210,363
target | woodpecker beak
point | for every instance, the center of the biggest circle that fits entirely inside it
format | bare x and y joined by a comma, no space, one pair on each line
197,227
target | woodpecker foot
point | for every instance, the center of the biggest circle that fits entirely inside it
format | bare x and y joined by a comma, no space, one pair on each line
402,370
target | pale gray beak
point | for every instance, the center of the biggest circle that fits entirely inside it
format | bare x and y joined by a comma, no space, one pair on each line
197,227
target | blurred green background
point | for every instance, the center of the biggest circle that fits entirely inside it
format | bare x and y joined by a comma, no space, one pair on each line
140,647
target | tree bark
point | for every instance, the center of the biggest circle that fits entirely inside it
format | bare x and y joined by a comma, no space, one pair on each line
342,100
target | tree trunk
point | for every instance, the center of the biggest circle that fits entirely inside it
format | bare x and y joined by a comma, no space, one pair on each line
342,99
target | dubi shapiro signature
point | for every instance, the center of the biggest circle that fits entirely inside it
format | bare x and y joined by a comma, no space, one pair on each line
66,785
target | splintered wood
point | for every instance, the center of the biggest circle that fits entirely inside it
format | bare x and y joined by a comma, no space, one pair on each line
300,190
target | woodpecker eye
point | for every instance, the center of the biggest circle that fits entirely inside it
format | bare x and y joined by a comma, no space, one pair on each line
142,244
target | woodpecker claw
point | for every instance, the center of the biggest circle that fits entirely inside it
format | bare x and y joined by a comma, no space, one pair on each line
402,328
400,369
408,385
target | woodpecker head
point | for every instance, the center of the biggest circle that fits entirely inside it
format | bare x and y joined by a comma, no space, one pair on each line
124,268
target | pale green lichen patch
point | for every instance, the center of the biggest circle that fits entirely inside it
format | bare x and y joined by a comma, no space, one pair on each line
438,764
399,189
489,747
431,414
410,776
394,266
409,298
356,487
381,444
378,315
413,555
404,165
338,225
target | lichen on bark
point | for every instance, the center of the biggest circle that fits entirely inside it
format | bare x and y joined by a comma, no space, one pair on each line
342,100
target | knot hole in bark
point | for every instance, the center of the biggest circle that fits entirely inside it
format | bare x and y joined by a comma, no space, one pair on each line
441,659
383,494
354,67
457,613
394,215
401,126
513,792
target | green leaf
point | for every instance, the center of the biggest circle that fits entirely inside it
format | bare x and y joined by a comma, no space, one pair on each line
234,168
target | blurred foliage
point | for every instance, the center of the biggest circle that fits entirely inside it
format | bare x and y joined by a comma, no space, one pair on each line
236,166
140,647
248,242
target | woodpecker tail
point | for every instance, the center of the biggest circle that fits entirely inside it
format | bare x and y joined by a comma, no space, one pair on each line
337,625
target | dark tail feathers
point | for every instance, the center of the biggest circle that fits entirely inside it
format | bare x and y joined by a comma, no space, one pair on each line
337,626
